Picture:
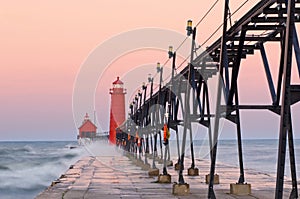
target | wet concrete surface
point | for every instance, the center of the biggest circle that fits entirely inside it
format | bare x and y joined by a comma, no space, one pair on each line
117,176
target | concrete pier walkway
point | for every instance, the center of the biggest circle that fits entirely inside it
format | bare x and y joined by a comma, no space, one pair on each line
118,176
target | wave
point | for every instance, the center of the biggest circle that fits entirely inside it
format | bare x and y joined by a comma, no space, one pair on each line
31,187
70,155
4,168
17,191
11,150
27,168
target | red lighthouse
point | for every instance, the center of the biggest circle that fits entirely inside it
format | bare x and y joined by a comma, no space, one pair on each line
117,108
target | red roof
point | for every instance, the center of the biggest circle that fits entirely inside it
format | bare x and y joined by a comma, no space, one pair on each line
118,81
88,124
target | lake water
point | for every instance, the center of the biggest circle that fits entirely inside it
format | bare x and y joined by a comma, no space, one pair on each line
27,168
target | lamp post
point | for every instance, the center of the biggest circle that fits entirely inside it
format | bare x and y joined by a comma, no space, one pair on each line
131,109
139,110
136,98
168,114
150,80
153,170
144,87
157,130
191,80
173,56
159,69
140,98
187,122
140,124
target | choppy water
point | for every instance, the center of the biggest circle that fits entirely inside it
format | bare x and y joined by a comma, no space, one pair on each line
259,155
27,168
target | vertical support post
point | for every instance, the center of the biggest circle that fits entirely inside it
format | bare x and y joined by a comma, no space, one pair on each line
151,142
211,193
155,150
185,127
192,82
205,92
160,70
186,119
141,140
169,112
239,139
285,120
176,119
294,193
153,145
160,144
146,148
147,144
145,123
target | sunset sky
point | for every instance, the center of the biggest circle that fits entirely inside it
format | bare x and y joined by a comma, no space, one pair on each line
45,44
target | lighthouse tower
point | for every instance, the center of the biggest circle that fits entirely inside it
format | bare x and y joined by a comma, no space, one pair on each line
117,108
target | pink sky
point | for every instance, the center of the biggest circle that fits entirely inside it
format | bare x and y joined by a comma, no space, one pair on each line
44,43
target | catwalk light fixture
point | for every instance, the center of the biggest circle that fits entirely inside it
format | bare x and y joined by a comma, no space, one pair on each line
158,67
144,86
150,79
170,52
189,27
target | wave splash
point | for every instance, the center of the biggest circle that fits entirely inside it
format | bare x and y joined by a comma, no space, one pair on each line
27,168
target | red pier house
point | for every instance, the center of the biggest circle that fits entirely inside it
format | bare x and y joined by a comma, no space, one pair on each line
117,108
87,129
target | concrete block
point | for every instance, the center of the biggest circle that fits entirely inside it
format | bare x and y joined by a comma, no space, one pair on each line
160,161
216,179
193,171
139,163
169,163
134,161
240,189
181,189
164,178
153,172
145,167
177,167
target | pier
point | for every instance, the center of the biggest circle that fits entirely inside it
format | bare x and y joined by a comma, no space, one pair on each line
120,176
205,92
